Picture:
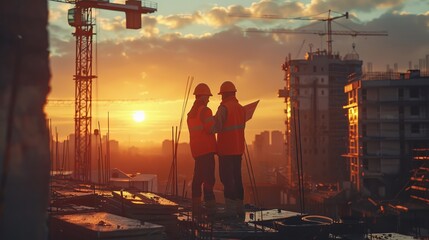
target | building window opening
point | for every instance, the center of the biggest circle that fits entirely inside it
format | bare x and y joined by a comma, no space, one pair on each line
414,92
415,128
364,94
365,163
414,111
296,68
401,93
297,80
363,130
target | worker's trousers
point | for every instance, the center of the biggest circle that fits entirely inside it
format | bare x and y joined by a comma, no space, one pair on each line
204,177
230,176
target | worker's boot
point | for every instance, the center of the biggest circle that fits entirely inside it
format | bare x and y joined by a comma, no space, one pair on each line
239,207
211,210
196,209
230,212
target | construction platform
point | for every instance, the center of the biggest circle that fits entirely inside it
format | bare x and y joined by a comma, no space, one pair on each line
79,211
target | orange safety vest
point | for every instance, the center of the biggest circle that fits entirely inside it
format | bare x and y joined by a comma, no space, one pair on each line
200,140
230,139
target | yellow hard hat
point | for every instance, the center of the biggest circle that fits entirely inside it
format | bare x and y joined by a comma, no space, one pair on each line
202,89
227,87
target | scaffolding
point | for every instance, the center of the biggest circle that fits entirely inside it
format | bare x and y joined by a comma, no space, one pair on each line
419,187
314,90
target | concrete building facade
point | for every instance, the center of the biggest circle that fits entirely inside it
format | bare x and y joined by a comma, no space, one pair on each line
316,123
388,115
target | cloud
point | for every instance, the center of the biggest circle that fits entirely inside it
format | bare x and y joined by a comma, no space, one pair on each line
281,9
219,16
272,12
179,21
318,6
228,55
407,40
116,23
149,26
228,16
55,15
61,40
250,59
215,17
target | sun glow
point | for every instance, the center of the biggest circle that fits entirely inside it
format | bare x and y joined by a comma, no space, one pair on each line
139,116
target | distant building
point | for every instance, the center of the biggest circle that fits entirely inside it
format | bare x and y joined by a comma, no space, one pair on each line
113,148
182,148
316,123
261,145
142,182
427,63
388,117
268,155
277,141
62,155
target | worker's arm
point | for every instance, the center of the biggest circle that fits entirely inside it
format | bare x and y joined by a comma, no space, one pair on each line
220,118
208,120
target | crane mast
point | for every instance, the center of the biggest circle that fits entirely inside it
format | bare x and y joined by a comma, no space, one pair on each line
329,21
83,94
81,17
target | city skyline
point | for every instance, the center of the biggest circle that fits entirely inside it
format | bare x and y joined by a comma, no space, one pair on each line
163,145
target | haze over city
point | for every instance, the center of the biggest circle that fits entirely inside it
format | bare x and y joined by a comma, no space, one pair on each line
147,69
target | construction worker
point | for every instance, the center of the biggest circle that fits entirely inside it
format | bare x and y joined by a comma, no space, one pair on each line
230,124
203,146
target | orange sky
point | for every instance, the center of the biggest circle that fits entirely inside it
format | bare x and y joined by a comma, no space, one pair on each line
161,116
147,69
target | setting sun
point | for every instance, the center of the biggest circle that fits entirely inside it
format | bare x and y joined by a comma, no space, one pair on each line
139,116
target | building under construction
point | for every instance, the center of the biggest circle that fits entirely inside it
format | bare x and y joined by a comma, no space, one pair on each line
388,149
316,125
388,116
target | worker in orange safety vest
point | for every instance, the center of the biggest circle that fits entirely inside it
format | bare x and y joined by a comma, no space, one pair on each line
203,147
230,124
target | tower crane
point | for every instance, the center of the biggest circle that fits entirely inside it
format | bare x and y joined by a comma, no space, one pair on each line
328,33
81,18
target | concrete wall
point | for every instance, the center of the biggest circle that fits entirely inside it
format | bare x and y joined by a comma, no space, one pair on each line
24,142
